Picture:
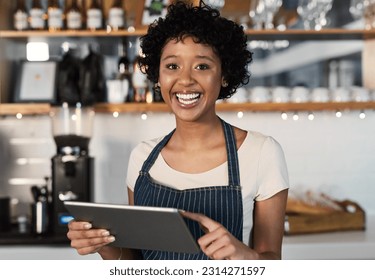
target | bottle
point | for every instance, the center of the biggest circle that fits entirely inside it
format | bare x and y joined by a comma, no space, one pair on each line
95,16
55,16
139,78
116,15
125,72
74,16
37,16
20,16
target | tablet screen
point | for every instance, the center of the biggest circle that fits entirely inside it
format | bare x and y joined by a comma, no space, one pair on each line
138,227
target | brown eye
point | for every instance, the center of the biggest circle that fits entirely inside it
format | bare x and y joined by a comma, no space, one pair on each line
202,67
172,66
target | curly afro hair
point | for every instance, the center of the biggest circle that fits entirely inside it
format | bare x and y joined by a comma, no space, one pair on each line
206,26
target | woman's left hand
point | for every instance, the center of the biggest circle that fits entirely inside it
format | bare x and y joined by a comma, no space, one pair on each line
218,243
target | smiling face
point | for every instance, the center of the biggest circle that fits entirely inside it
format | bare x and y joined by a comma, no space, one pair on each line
190,78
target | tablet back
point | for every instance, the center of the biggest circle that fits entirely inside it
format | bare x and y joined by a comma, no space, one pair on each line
138,227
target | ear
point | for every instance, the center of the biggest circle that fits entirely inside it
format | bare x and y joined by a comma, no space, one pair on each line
224,83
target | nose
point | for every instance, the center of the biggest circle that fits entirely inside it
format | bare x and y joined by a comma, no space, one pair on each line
186,77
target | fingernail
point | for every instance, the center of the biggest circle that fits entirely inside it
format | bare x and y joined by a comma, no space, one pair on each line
87,226
111,239
105,233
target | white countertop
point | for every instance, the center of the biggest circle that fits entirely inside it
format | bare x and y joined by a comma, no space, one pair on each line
324,246
335,245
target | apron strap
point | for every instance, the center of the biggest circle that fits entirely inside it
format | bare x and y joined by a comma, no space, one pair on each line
232,157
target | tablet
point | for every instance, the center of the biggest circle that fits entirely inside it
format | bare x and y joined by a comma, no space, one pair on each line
138,227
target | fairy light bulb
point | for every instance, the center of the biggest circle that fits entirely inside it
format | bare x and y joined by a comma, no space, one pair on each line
19,116
284,116
240,115
115,114
310,116
144,116
362,115
295,117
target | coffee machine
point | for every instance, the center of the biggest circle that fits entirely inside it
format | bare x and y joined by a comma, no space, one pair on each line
72,166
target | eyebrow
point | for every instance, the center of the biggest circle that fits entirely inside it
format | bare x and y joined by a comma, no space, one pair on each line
198,56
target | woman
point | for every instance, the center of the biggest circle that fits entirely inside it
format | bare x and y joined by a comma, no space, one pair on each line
232,183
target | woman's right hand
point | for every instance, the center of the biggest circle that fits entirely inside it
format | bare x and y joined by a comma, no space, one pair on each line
87,240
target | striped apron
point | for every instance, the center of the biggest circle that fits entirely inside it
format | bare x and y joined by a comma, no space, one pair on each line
220,203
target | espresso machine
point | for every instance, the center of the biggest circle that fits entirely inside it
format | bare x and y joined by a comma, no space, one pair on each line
72,166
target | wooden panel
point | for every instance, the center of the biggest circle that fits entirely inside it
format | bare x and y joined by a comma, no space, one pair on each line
368,62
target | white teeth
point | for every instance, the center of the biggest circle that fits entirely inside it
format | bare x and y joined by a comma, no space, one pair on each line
187,98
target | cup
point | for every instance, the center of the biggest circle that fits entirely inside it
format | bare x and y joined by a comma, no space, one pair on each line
360,94
5,221
241,96
117,90
320,95
260,94
300,94
281,95
340,94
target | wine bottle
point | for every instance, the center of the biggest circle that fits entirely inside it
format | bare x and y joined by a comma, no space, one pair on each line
74,16
139,78
95,16
116,15
20,16
55,16
125,72
37,16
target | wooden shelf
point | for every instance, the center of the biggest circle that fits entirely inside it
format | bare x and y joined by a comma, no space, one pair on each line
289,34
25,109
69,33
43,109
300,34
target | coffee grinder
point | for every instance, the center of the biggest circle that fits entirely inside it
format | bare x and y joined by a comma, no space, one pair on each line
72,166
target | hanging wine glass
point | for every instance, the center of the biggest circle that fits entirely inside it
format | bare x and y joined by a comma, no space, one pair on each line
322,8
271,7
369,14
216,4
306,10
257,13
357,8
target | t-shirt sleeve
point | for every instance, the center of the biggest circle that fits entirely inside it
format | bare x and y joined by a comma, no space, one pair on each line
136,159
272,172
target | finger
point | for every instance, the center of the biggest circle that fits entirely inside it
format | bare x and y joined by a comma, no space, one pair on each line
215,248
86,234
76,225
217,237
92,243
90,249
206,223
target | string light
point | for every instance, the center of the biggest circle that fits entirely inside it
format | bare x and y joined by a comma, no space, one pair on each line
284,116
338,114
362,115
115,114
311,116
295,117
240,115
144,116
19,116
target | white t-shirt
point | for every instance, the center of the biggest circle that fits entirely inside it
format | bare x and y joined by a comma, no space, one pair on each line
263,172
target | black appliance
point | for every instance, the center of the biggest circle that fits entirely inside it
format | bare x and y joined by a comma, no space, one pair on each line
72,166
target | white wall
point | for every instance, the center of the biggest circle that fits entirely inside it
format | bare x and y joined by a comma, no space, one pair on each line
335,156
329,154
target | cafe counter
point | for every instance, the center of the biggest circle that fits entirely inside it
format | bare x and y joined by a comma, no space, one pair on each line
323,246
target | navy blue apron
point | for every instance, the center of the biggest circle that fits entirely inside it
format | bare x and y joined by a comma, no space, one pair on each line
220,203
